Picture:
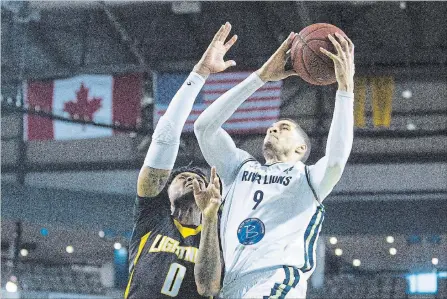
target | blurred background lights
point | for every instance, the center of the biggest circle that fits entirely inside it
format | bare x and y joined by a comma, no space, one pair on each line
69,249
434,261
338,251
333,240
24,252
406,94
390,239
44,232
101,234
393,251
423,283
117,245
122,251
411,126
356,262
11,287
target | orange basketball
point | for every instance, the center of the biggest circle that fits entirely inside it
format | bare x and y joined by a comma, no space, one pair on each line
308,61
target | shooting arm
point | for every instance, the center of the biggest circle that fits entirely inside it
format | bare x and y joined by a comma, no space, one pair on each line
328,170
217,146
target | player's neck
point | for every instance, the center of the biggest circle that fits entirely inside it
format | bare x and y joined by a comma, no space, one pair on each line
272,158
187,215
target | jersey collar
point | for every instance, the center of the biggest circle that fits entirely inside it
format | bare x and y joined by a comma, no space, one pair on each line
187,231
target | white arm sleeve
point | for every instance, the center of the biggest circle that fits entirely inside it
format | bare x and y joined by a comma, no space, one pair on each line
217,146
166,137
327,171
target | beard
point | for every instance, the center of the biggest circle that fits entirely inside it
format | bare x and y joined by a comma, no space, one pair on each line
185,201
269,148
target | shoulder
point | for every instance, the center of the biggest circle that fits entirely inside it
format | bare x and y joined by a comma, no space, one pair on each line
249,161
154,206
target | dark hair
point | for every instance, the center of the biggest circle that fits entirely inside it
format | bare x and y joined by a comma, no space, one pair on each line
303,135
193,169
187,168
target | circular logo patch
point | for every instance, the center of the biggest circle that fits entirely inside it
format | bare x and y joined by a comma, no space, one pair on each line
250,231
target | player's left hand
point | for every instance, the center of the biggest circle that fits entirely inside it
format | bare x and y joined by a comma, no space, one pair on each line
208,199
343,61
212,60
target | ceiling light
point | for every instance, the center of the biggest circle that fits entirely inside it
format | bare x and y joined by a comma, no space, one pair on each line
390,239
117,246
338,251
434,261
69,249
356,262
393,251
24,252
101,234
333,240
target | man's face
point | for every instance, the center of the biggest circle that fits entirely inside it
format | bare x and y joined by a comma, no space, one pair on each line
182,184
282,137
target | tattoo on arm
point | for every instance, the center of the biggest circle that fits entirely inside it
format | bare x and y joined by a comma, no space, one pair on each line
151,181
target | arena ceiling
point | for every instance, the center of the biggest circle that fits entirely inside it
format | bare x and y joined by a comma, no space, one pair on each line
47,39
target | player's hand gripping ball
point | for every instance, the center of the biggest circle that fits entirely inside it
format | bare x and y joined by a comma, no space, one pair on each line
308,61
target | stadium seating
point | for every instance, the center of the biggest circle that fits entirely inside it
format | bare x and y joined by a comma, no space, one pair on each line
58,278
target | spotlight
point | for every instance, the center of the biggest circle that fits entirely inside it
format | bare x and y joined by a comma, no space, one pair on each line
11,287
390,239
24,252
333,240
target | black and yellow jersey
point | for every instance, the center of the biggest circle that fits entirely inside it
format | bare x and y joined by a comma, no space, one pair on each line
162,253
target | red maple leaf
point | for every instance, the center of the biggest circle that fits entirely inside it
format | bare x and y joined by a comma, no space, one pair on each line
82,107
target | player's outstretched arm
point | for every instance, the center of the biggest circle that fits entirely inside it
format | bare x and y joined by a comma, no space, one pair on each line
327,172
208,266
217,146
163,149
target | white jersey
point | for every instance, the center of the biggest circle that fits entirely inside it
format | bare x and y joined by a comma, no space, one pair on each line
270,219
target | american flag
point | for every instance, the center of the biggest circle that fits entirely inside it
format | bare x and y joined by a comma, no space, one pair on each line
255,115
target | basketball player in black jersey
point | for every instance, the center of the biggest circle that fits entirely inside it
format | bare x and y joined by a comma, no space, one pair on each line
167,220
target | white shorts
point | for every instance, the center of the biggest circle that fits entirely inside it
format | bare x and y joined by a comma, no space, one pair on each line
281,283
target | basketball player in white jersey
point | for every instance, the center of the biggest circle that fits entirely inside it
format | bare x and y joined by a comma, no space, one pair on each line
272,212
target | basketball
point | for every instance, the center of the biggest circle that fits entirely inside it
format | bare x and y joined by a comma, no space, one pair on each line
308,61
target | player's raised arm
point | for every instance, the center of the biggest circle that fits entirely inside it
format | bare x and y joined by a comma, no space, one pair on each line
327,172
217,146
164,147
208,266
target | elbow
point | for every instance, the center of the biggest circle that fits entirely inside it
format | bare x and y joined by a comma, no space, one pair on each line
207,288
335,170
199,127
207,291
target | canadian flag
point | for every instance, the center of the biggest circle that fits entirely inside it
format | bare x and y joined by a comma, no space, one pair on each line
99,98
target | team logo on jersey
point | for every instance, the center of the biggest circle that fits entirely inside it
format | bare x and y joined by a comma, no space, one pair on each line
288,169
250,231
